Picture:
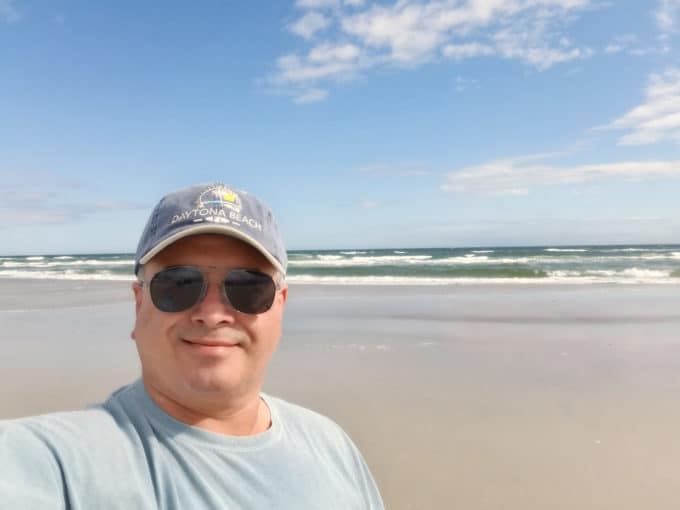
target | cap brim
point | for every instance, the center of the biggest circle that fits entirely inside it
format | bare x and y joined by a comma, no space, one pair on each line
212,229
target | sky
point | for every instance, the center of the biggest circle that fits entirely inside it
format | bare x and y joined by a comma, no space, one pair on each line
363,124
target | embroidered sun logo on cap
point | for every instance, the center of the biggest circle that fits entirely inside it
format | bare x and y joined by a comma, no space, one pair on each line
220,196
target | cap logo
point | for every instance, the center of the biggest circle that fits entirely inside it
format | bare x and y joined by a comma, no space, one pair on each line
219,196
218,204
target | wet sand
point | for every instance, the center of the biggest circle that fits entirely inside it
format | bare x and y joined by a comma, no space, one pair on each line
473,397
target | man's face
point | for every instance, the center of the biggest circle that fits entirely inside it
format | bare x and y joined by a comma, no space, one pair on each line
210,350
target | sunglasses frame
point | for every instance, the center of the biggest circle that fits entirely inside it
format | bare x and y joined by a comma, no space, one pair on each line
205,283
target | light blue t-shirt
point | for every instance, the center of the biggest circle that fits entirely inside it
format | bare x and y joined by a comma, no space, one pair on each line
128,454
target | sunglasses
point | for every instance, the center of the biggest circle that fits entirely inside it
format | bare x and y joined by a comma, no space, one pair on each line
178,288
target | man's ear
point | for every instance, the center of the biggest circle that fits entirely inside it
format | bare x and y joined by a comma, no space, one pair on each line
137,290
284,294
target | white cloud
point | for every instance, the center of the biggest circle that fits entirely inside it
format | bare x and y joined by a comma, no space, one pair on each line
530,45
315,4
311,96
620,43
310,24
8,13
658,118
462,84
520,175
666,15
411,32
323,61
467,50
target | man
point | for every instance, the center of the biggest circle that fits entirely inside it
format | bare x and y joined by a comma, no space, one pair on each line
195,432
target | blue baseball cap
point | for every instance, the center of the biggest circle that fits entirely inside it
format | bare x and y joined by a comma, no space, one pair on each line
212,209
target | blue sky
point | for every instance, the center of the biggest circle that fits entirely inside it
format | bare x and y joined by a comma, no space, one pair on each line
363,124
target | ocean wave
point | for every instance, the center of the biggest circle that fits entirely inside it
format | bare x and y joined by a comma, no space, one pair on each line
11,263
423,281
467,260
426,261
67,263
566,250
93,262
339,261
64,275
659,256
617,250
628,275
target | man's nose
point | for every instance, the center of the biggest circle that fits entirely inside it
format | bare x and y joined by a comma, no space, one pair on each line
214,309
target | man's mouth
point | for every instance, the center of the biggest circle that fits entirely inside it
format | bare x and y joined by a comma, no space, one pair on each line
210,346
210,342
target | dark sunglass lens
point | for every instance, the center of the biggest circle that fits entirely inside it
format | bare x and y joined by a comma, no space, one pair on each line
176,288
250,291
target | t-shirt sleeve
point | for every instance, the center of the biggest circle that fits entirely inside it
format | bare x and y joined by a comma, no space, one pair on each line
365,480
29,472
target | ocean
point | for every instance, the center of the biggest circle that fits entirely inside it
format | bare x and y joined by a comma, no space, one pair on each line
648,264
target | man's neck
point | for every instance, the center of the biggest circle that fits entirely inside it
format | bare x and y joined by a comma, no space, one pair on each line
246,417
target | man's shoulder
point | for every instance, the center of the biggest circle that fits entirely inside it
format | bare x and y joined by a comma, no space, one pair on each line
63,423
78,427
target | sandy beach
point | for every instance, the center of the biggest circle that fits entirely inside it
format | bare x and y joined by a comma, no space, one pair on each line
473,397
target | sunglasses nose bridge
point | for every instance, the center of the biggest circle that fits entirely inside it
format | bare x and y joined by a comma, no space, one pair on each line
213,308
214,291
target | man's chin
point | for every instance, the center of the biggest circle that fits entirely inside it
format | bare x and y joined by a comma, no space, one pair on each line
205,383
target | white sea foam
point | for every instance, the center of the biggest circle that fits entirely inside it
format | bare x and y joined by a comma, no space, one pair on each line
63,257
64,275
645,274
92,262
483,251
616,250
353,252
427,260
629,275
67,263
553,278
35,258
566,250
339,261
658,256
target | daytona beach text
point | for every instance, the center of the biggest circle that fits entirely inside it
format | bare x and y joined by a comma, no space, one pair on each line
213,212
